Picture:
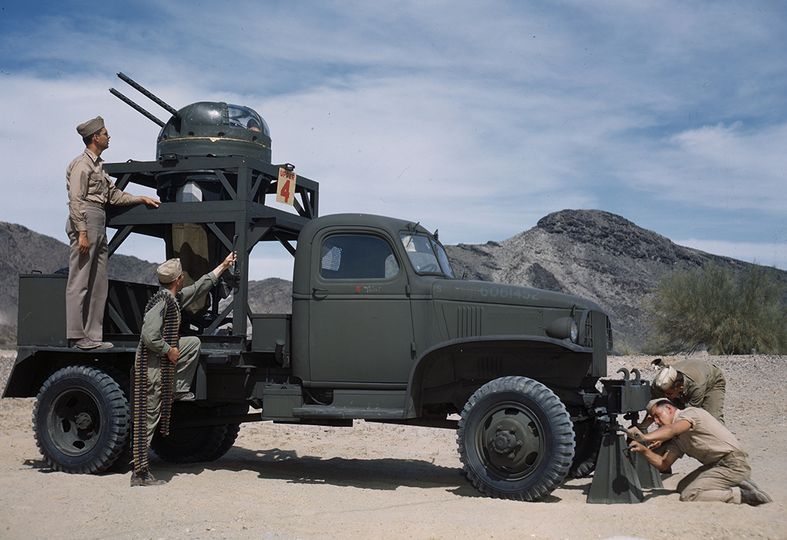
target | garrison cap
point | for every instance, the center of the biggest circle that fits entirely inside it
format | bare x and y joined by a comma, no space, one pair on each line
91,126
169,271
653,402
665,378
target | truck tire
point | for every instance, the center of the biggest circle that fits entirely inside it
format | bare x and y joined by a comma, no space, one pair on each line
588,436
189,445
200,443
81,420
232,429
515,439
227,442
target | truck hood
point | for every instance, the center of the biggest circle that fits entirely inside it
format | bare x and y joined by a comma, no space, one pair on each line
484,292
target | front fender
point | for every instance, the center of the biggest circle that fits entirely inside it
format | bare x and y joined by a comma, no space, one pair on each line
450,371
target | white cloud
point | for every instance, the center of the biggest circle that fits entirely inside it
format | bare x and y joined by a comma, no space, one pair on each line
478,120
719,166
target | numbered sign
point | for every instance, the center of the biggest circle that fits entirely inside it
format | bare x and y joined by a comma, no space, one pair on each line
285,189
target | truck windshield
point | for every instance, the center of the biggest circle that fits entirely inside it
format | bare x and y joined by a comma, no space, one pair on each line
427,255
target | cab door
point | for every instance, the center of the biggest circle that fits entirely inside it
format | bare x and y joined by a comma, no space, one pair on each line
359,310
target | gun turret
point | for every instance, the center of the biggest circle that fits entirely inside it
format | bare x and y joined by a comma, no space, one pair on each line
205,128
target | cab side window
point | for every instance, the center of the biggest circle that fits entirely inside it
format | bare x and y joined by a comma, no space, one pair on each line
357,256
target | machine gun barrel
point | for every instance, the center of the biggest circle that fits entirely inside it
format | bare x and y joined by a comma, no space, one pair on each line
133,105
148,94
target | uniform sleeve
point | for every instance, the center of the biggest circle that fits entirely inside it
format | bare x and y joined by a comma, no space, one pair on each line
77,183
152,325
689,415
197,289
693,395
117,196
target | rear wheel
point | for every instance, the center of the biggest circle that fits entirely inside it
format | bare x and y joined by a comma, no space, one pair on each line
233,430
199,443
515,439
81,420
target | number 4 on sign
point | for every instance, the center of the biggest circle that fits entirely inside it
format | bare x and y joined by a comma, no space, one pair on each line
285,189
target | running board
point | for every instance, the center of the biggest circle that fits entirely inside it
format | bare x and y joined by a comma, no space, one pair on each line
328,411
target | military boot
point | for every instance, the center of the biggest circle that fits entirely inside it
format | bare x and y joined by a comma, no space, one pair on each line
753,495
145,478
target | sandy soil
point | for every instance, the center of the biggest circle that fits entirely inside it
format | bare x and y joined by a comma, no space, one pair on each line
378,481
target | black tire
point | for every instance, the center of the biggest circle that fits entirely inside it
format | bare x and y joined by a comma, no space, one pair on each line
81,420
588,435
515,439
123,463
230,435
196,444
232,432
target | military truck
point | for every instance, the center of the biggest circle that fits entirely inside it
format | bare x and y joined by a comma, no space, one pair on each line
381,329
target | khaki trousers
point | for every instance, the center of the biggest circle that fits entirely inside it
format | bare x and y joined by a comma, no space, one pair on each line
86,289
184,374
716,481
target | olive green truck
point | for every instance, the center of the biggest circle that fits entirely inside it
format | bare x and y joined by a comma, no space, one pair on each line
381,329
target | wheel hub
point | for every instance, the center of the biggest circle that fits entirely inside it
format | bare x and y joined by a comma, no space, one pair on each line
83,420
74,422
505,442
513,441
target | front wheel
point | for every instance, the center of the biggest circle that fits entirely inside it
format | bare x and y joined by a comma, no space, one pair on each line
515,439
81,420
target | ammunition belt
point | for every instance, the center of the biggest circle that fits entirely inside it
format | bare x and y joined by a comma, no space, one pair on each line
170,333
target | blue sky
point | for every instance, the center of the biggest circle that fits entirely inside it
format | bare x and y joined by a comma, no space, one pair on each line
477,118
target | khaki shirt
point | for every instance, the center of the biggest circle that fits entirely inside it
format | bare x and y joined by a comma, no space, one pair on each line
699,377
153,323
707,440
86,182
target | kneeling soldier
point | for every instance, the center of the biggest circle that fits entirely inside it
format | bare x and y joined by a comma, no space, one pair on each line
157,383
725,474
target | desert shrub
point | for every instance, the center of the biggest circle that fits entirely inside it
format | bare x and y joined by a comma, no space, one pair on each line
713,308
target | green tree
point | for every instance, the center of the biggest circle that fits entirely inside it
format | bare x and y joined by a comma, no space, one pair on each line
727,313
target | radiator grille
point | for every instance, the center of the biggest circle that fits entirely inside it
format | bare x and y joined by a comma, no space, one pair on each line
589,330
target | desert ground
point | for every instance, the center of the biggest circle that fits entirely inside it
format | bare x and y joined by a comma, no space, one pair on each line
378,481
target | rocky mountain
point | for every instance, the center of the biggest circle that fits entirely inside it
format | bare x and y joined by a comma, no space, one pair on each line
593,254
590,253
272,295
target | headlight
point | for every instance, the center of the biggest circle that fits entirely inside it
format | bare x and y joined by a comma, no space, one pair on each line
563,328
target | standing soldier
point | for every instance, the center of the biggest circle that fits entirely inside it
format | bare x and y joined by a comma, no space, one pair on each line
165,363
89,191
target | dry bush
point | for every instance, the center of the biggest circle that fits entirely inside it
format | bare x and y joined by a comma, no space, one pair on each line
710,307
